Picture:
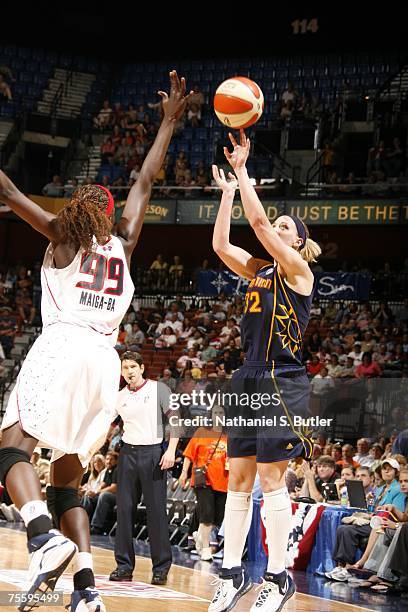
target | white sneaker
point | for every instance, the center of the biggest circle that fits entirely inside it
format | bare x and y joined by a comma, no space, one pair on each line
87,600
16,514
231,586
7,512
206,554
50,554
340,574
275,592
198,542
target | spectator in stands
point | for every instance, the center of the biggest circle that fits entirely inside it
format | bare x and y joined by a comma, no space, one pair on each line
201,175
70,187
117,120
197,97
384,314
208,448
349,369
24,305
100,506
208,353
168,379
314,366
172,320
134,174
158,271
93,479
376,452
176,271
322,384
356,354
289,94
348,536
55,189
194,115
286,111
167,338
190,356
107,150
363,457
368,368
322,472
186,383
334,369
196,340
368,344
8,330
347,453
104,117
135,339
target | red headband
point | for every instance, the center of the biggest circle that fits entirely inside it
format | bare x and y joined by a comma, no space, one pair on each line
111,204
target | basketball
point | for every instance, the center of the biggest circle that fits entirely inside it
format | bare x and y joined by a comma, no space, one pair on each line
238,102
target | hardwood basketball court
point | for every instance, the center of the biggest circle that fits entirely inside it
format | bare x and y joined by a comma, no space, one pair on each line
187,590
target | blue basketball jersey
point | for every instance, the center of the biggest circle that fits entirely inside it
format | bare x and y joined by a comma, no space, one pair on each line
275,320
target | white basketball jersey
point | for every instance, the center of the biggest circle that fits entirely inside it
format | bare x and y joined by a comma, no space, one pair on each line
93,291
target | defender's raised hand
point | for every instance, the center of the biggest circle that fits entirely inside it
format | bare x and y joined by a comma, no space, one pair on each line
174,104
240,153
222,182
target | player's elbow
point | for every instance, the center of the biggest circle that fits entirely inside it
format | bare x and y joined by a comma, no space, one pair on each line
219,247
259,222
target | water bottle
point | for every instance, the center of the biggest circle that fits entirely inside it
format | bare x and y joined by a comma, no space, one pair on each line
343,498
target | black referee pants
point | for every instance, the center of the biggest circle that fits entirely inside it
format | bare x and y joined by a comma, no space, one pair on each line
139,472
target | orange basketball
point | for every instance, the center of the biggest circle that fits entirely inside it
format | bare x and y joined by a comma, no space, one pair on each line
238,102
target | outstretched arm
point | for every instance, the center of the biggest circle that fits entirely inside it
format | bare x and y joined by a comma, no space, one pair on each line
41,220
289,259
237,260
130,224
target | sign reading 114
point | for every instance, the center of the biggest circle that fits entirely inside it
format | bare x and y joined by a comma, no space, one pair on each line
303,26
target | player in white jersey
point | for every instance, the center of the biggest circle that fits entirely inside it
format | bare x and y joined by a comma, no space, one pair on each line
68,383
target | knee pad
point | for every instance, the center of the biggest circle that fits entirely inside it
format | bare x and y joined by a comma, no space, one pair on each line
9,456
61,499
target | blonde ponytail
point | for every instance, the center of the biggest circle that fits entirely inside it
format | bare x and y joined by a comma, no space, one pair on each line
310,251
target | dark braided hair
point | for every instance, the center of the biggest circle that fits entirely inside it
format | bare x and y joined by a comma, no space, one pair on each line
84,217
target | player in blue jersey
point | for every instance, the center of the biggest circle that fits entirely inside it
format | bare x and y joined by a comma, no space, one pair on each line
277,308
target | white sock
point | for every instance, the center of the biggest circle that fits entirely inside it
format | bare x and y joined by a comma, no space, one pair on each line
82,560
32,510
278,513
237,521
204,531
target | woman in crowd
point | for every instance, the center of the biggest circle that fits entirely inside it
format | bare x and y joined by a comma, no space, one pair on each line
94,476
208,449
167,339
348,536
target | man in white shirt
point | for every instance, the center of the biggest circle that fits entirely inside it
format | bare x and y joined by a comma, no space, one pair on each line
322,383
356,354
143,406
363,456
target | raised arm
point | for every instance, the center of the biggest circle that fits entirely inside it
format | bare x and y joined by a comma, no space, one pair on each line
130,224
290,260
237,260
41,220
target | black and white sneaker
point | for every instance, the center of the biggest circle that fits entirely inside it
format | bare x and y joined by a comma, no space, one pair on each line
50,554
276,589
232,584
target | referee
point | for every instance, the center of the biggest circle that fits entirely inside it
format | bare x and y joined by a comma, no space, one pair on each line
143,406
